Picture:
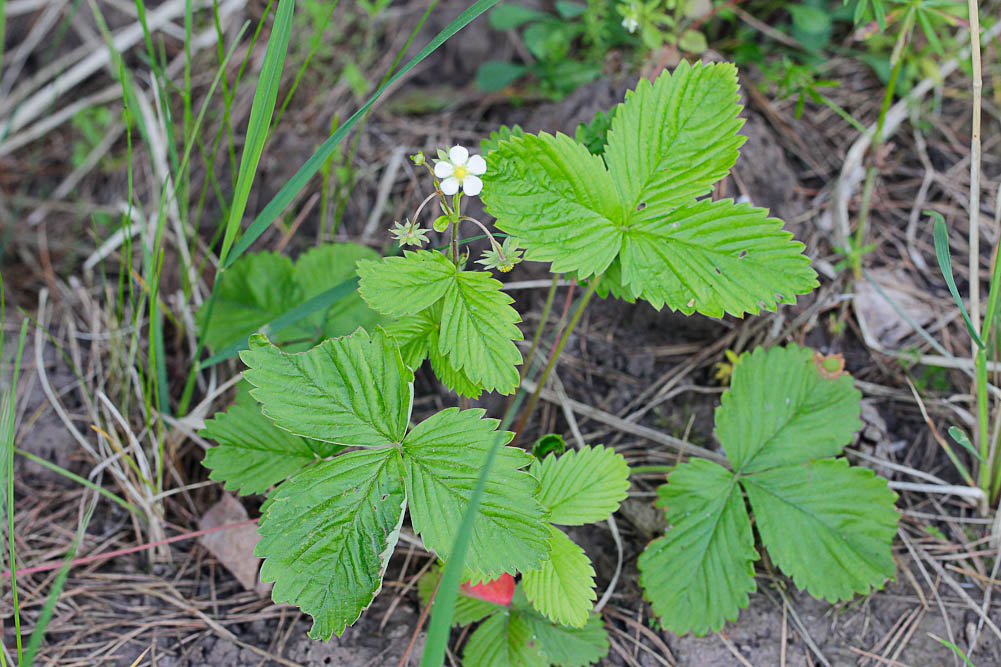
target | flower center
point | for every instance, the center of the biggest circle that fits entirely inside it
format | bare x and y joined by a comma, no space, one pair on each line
460,173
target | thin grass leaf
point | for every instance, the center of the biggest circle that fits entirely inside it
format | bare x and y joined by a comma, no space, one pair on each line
945,265
260,120
35,642
451,578
7,419
315,162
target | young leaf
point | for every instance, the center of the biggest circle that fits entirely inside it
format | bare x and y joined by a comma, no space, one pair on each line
582,486
503,133
563,588
253,454
826,524
327,535
504,640
352,391
442,457
714,257
478,330
557,197
780,410
670,141
406,285
699,575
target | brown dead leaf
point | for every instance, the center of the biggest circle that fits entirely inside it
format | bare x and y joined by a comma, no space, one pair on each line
887,325
233,547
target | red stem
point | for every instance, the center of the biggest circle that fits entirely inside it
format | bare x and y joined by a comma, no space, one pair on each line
130,550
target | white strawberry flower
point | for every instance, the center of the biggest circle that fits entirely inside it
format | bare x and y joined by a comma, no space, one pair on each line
460,170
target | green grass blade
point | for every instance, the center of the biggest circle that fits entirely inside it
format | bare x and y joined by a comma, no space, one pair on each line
7,419
945,264
288,192
57,588
448,589
261,112
83,481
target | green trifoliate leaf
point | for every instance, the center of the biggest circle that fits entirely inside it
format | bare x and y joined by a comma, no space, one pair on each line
254,454
582,486
327,534
670,141
699,575
780,410
714,258
562,590
504,640
442,457
555,196
827,525
478,330
352,391
406,285
477,326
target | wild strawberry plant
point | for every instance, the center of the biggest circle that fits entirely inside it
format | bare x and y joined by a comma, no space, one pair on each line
626,214
825,523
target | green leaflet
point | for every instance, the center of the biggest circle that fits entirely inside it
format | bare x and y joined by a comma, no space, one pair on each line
582,486
563,588
327,534
417,336
406,285
478,330
461,318
640,217
261,287
700,574
503,640
352,391
558,198
797,416
827,525
578,487
517,636
670,141
442,458
253,454
826,507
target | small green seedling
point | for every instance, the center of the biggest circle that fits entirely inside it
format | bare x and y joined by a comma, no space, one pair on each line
825,523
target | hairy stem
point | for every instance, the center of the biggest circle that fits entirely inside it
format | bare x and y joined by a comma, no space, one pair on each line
554,357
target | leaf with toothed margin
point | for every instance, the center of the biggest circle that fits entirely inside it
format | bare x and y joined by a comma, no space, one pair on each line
352,391
327,534
442,456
